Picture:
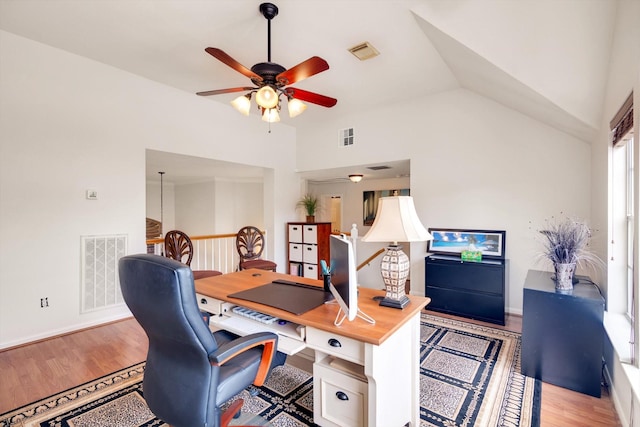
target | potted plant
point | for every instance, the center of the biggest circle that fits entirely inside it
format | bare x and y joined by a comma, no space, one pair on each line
310,204
566,246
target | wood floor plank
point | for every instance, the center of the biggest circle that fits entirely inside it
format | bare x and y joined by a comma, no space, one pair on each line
35,371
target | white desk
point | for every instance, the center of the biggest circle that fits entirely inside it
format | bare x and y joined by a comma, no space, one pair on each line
364,375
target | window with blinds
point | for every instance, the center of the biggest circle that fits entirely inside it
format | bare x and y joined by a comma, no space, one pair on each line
623,121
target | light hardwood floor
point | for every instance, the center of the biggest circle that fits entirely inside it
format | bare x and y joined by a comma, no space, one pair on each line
35,371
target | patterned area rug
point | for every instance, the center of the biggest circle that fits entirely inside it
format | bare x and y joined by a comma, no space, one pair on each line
470,376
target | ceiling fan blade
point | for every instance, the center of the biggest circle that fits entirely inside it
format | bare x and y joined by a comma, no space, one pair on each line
314,98
221,91
226,59
303,70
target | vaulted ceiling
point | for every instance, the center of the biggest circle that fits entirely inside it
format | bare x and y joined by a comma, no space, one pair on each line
545,58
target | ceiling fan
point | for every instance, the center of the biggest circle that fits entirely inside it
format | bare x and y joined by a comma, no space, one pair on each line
271,80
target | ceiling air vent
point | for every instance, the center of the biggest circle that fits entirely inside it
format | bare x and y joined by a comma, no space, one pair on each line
378,168
364,51
346,137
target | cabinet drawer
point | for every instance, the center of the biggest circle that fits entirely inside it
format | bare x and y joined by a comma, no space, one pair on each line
466,276
336,345
295,233
339,399
310,271
310,254
310,234
489,308
295,252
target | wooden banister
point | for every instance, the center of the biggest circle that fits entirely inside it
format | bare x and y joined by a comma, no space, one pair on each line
371,258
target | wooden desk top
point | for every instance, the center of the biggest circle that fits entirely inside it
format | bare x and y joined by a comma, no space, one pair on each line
388,320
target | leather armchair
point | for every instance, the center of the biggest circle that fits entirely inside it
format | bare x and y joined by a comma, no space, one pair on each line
190,372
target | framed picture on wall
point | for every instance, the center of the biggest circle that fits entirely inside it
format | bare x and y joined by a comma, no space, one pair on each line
453,241
370,202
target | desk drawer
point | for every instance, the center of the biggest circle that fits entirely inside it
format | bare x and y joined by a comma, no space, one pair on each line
208,304
336,345
339,399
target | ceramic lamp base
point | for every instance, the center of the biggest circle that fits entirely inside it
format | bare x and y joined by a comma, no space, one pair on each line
395,270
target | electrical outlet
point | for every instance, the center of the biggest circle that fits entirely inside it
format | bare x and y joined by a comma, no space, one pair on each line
44,302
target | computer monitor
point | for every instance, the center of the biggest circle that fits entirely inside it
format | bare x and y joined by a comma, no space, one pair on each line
344,280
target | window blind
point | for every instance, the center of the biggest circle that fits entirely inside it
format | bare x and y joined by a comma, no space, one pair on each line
622,122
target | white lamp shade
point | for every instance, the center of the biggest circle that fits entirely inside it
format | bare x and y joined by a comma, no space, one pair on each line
266,97
242,104
296,107
271,115
397,221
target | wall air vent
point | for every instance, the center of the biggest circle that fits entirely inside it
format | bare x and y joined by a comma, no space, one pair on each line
346,137
364,51
99,281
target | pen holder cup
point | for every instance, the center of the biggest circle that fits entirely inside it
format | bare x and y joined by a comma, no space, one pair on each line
326,279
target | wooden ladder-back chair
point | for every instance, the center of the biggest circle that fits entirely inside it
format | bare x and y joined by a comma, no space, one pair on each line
178,246
250,245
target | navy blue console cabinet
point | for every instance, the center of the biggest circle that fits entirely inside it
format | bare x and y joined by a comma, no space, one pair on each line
562,334
466,288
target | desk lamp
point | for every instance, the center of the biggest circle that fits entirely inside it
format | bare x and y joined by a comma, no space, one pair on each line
396,221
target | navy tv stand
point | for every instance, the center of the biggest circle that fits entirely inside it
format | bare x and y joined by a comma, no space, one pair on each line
473,289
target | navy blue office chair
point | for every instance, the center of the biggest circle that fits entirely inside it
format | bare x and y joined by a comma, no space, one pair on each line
190,372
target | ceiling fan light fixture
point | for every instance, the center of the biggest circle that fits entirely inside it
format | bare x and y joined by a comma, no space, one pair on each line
295,107
356,177
270,115
271,80
266,97
242,104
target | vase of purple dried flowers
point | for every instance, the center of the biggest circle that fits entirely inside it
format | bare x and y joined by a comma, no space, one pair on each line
564,276
566,246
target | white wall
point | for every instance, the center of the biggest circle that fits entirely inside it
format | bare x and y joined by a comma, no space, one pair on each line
474,164
238,204
195,208
68,124
218,206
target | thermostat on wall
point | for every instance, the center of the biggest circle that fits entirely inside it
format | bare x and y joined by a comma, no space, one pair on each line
92,195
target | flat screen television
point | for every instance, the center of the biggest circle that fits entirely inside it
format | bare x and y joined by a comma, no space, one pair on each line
344,280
